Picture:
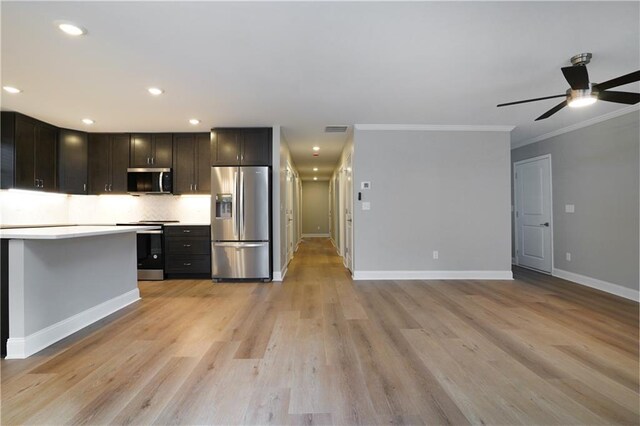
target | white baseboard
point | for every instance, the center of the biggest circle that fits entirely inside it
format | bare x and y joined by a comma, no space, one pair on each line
23,347
279,276
315,235
605,286
432,275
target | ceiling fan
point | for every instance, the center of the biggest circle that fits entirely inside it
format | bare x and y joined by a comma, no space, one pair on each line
583,92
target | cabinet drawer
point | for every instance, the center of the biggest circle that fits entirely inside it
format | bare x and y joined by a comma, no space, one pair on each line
187,246
187,231
188,264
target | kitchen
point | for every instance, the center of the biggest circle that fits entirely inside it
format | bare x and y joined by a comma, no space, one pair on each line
155,184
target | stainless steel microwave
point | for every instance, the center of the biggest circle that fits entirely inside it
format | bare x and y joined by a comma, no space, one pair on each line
149,181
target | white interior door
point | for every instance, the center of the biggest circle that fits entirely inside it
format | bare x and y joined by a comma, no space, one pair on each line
289,213
534,213
348,216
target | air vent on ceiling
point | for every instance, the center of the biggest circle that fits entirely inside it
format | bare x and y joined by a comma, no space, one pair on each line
335,129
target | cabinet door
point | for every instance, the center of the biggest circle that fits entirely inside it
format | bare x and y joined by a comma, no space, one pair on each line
99,162
25,142
225,146
119,163
162,150
72,161
45,168
183,170
203,163
256,147
141,150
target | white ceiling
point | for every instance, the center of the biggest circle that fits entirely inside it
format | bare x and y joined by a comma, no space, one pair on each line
306,65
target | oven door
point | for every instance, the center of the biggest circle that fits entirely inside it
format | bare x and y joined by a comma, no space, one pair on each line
150,255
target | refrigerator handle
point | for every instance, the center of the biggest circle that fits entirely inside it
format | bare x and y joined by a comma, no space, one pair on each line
235,202
241,204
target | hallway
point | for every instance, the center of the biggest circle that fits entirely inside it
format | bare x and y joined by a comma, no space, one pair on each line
321,349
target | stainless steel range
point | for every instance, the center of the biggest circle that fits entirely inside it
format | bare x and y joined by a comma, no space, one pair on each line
150,249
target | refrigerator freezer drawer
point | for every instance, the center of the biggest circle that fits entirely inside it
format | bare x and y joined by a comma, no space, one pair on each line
240,260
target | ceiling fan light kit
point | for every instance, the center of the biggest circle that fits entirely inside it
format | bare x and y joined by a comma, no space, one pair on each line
582,92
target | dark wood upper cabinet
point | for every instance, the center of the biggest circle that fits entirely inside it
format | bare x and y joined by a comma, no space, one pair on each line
73,159
151,150
108,162
256,147
119,162
241,146
225,147
192,171
203,163
184,148
28,153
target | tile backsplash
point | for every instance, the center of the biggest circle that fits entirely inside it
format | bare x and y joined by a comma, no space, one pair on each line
26,207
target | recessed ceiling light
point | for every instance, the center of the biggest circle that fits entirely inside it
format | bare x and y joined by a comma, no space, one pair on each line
88,121
155,91
315,169
72,29
315,178
194,121
11,89
316,148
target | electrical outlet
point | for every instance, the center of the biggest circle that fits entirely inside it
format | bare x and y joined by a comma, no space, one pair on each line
568,256
569,208
366,205
435,254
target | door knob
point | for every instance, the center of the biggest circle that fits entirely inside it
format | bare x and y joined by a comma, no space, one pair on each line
545,224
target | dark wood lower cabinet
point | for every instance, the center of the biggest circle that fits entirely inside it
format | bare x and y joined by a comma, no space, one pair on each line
187,251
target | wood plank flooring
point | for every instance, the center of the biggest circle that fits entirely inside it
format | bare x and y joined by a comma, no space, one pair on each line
321,349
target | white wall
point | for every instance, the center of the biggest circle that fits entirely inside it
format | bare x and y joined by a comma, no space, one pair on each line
596,169
315,208
432,190
33,208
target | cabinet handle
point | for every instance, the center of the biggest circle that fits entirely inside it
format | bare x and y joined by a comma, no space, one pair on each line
84,187
37,183
191,187
106,187
242,158
186,230
152,160
186,245
110,187
237,157
195,186
186,264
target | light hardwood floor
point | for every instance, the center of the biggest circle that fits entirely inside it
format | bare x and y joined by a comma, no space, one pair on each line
321,349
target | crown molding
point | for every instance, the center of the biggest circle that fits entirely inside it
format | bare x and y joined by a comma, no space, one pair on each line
434,127
580,125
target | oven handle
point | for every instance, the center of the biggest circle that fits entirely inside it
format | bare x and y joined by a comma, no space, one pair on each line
149,232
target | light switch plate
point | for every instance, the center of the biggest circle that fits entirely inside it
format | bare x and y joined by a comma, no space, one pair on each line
569,208
366,205
365,185
568,257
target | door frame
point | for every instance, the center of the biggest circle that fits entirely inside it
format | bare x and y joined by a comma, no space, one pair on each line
515,218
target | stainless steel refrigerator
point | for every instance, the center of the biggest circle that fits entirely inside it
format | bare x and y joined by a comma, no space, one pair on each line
240,223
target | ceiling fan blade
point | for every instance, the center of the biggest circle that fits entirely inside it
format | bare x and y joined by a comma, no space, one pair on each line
531,100
552,110
577,77
619,81
619,97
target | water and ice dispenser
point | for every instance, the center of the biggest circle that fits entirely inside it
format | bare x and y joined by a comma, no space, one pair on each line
224,206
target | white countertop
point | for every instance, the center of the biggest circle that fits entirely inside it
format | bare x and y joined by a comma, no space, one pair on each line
61,232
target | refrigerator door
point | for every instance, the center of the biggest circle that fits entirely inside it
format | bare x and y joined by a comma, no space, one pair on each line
224,203
240,260
254,203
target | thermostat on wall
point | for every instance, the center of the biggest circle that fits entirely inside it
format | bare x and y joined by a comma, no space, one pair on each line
365,185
